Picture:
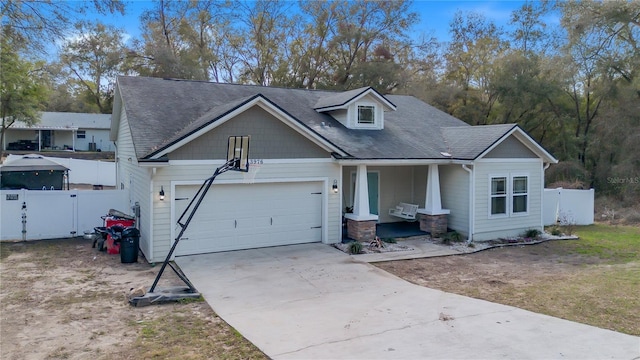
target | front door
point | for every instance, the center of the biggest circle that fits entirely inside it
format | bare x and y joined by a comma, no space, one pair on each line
373,183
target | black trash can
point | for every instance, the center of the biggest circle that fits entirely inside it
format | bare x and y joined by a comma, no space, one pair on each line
129,244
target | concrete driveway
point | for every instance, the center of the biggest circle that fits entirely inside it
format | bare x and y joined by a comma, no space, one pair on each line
315,302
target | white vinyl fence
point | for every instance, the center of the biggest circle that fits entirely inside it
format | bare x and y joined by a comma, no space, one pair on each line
38,214
568,206
93,172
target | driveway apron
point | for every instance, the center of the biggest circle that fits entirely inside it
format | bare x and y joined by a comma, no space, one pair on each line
314,302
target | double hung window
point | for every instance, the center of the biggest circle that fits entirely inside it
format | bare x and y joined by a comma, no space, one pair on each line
509,195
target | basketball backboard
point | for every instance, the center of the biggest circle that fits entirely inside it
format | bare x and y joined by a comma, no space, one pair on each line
238,151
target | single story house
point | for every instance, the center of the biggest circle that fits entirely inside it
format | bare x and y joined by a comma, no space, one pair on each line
61,131
316,158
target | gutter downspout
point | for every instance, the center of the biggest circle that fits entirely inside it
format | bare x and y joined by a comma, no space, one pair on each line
544,168
117,161
471,201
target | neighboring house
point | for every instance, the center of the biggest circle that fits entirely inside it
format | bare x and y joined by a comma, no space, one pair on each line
61,131
318,153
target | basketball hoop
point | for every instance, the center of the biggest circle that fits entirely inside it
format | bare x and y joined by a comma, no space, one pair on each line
238,153
237,160
249,177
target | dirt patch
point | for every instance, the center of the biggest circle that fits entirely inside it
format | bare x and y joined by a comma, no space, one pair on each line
63,299
543,278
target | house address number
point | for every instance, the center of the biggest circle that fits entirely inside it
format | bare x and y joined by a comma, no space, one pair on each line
256,161
12,197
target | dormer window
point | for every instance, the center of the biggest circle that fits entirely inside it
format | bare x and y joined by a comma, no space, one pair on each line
366,114
361,109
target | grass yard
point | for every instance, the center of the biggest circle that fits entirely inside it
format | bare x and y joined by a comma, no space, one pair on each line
594,280
62,299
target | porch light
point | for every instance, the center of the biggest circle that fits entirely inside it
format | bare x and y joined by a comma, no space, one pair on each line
161,193
335,186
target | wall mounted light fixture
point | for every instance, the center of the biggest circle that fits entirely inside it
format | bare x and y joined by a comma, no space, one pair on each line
161,193
334,187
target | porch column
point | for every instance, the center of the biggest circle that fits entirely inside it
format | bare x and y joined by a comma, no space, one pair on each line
433,218
39,140
361,225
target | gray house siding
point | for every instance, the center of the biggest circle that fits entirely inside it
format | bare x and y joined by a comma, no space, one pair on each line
454,191
136,179
511,148
270,139
487,227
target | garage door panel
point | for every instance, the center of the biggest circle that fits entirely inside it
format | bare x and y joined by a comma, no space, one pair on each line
242,216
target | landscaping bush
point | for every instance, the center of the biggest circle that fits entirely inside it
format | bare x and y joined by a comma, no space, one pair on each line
355,247
531,233
452,236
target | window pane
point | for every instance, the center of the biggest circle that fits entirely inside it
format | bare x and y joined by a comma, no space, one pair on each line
520,203
520,185
365,114
498,186
498,205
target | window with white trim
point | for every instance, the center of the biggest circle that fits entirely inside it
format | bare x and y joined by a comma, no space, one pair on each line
366,114
499,195
81,134
520,194
509,195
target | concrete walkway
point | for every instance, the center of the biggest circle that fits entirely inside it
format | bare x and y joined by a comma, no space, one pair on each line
315,302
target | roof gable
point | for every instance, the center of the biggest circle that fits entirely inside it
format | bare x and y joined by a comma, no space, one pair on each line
475,142
343,99
271,138
219,115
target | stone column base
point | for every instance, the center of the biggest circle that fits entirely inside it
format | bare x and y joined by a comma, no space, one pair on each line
361,230
434,224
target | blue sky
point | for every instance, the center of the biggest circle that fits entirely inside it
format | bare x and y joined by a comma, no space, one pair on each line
434,15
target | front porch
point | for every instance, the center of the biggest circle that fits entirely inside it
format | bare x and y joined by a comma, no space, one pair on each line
377,197
392,230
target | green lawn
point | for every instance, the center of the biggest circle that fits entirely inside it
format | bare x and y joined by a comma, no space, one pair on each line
613,244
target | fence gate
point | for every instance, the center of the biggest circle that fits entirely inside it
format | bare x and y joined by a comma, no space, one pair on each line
52,214
36,214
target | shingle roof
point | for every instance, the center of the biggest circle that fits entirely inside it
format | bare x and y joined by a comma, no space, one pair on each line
471,141
67,120
162,111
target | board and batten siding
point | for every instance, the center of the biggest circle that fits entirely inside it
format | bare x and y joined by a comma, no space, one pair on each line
488,228
271,170
454,193
136,180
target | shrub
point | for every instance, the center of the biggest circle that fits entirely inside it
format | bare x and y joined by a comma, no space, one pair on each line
452,236
555,231
531,233
355,247
389,240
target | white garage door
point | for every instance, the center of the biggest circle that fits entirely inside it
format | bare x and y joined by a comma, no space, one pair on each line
244,216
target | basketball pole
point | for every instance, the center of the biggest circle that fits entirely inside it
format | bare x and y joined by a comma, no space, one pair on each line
179,293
